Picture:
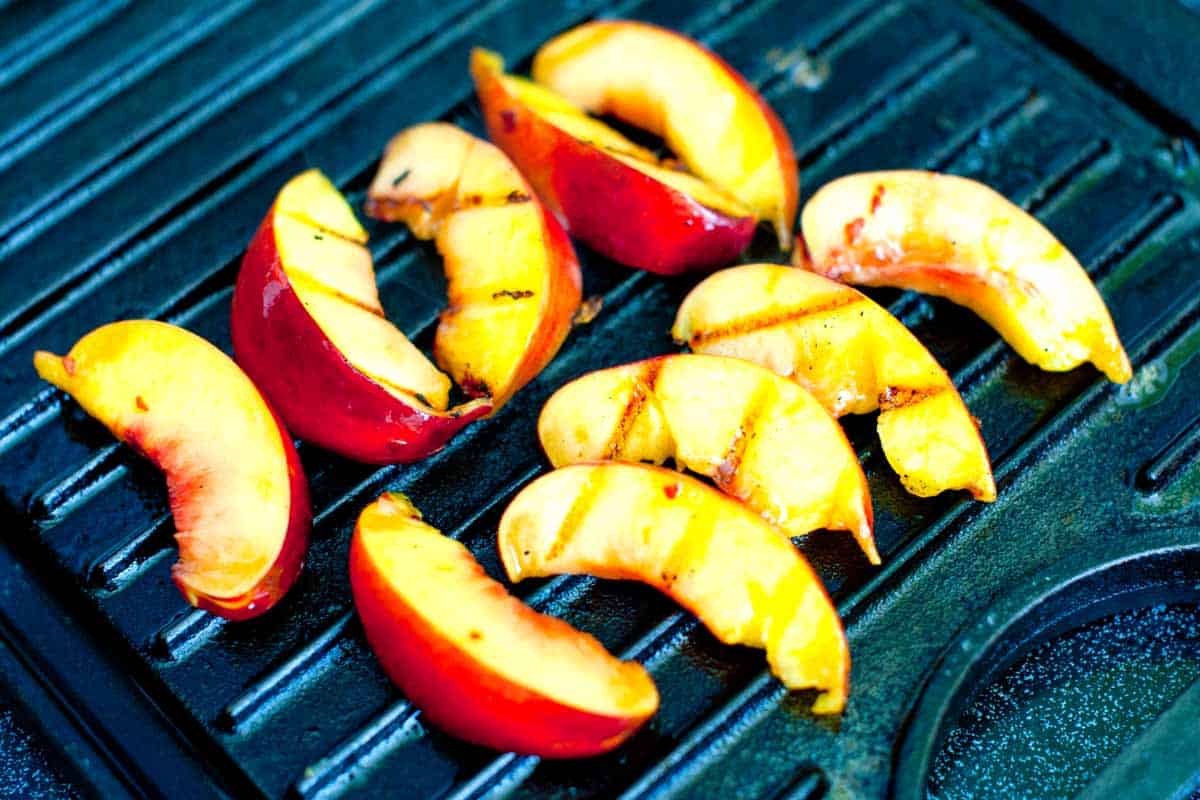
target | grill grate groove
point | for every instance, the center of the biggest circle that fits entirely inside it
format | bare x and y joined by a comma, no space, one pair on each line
921,73
166,40
57,32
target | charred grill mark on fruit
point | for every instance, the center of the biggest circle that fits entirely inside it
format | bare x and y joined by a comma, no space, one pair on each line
474,386
340,295
588,494
643,391
894,397
399,179
726,474
513,294
773,319
877,198
320,228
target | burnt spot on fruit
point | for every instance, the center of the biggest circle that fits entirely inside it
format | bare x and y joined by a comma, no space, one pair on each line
512,294
508,118
671,490
402,177
517,196
474,635
474,386
774,318
853,230
894,397
69,365
140,402
877,197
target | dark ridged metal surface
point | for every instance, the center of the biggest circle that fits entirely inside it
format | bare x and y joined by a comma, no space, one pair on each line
145,142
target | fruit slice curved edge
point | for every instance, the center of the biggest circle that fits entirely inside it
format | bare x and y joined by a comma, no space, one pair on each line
762,439
674,87
854,357
513,276
610,193
959,239
477,661
705,550
308,328
237,492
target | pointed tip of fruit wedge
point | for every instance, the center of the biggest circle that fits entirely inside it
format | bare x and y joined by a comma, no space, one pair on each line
51,368
312,198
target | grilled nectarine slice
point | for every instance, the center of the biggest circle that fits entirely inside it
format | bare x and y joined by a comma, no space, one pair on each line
477,661
674,87
238,493
762,439
309,329
854,357
514,279
705,550
954,237
617,197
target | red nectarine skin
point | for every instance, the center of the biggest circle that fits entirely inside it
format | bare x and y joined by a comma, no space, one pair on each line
290,561
463,695
620,212
237,491
358,418
491,230
631,95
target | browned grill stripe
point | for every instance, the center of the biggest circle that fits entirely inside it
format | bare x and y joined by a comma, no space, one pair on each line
725,476
584,501
643,389
312,223
345,298
760,322
894,397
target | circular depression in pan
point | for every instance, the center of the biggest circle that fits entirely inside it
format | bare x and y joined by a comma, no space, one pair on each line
1065,681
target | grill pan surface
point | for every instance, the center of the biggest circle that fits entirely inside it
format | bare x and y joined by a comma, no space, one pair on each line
140,145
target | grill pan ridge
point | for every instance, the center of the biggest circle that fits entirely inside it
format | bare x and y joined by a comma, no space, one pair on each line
144,142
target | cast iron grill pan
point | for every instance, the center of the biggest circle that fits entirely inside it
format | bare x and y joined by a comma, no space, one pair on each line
140,147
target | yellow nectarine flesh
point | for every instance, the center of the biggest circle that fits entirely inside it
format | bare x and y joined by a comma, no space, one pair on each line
514,283
322,252
189,408
713,555
762,439
480,662
959,239
670,85
853,356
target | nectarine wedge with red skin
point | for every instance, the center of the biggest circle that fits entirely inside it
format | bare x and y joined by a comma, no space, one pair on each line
710,553
308,328
854,357
762,439
238,494
674,87
478,662
959,239
514,280
610,193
